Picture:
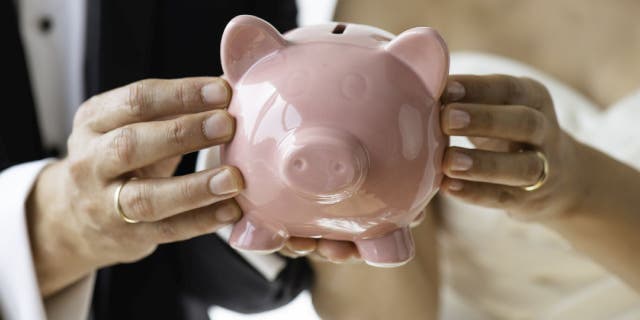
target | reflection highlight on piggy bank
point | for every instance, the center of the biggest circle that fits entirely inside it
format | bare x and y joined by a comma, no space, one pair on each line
337,133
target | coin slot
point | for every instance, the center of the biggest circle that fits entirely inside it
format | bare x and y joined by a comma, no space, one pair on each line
339,29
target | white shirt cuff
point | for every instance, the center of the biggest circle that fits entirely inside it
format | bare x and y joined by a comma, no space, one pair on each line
72,302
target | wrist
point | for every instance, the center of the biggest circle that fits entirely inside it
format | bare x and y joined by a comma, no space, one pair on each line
589,173
58,258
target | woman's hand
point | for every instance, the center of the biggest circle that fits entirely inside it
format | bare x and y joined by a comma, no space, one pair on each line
588,197
509,120
136,131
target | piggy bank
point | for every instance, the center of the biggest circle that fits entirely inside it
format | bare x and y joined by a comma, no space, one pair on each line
337,133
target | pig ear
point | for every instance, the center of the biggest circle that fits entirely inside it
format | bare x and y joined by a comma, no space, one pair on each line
245,40
425,52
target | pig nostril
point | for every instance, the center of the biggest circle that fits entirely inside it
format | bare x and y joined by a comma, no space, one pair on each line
299,164
321,164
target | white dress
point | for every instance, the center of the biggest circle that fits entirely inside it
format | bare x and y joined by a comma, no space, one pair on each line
497,268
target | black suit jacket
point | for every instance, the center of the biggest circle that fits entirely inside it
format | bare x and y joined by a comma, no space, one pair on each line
133,40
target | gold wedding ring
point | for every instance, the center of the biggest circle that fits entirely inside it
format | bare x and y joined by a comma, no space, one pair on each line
543,175
116,203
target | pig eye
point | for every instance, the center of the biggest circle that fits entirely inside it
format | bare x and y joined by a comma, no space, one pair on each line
354,86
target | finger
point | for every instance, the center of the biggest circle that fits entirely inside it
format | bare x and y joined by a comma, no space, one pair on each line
138,145
157,199
492,144
337,251
511,169
484,194
301,246
152,99
191,224
497,89
509,122
161,169
289,253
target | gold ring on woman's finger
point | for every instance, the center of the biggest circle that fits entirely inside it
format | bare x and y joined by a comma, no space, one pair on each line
543,175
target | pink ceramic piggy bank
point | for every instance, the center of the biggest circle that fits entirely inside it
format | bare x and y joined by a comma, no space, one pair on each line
337,133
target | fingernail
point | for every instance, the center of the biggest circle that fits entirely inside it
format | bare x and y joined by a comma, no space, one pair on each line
458,119
299,251
455,91
218,125
214,93
302,252
460,161
455,185
223,183
227,213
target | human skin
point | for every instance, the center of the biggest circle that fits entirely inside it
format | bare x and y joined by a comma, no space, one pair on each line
589,198
139,130
594,198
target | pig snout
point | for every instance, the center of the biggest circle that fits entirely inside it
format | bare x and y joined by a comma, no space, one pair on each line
324,164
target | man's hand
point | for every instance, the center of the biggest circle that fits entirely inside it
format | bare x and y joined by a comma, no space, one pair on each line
137,131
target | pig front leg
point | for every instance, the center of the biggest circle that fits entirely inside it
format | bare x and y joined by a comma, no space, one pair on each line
253,235
391,250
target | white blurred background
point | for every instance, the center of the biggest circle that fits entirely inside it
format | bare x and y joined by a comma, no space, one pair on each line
309,12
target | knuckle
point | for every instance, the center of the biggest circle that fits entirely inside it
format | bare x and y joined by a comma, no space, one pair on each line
137,203
139,97
186,93
123,145
177,133
77,168
167,231
515,89
537,93
538,86
82,115
188,191
88,110
181,93
73,141
93,100
531,125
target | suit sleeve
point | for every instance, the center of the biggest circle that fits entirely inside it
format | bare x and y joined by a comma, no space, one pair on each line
19,293
183,280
